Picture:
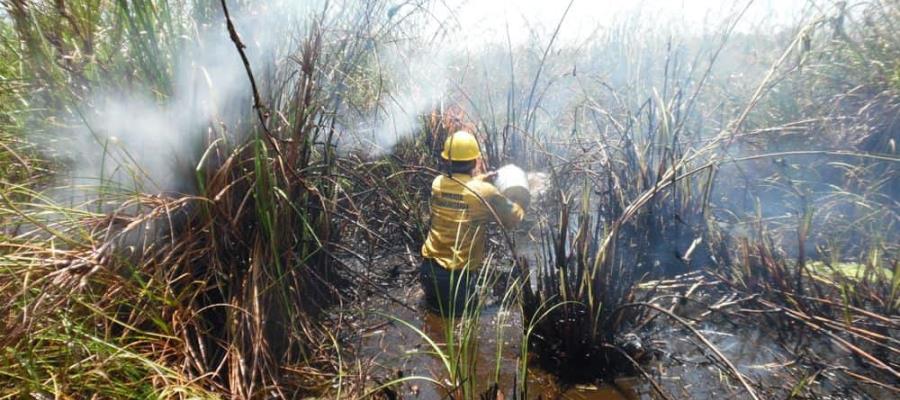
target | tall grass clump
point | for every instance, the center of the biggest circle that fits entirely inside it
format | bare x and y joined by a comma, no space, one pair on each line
597,248
17,159
204,274
626,201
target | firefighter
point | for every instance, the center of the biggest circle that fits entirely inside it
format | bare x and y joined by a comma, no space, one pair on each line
461,204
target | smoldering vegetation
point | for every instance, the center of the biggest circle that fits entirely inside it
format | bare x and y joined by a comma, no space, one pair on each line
213,199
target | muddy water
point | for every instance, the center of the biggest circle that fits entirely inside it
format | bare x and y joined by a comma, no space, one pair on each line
681,364
683,367
399,351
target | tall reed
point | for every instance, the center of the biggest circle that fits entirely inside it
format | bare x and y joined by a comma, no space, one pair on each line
216,286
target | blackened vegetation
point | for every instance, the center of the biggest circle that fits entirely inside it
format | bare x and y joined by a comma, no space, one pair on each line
572,323
645,209
599,246
581,286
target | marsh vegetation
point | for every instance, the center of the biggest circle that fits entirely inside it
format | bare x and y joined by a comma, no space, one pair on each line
212,199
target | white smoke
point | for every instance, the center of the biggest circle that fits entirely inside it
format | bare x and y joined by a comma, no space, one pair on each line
417,81
133,138
140,139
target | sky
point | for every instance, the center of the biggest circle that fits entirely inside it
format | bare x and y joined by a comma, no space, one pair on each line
487,20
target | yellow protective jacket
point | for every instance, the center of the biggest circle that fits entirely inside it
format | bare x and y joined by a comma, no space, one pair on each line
459,220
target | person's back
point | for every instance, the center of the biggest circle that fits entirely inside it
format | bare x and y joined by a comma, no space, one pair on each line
460,211
462,206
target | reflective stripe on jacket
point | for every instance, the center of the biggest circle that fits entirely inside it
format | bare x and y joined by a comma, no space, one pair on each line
459,219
